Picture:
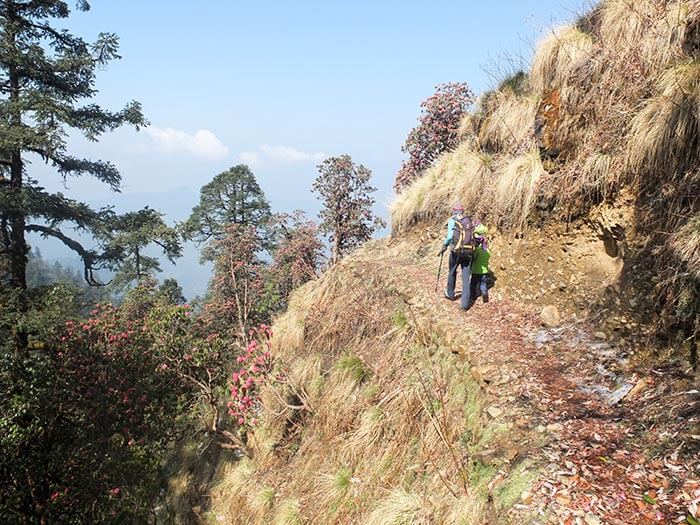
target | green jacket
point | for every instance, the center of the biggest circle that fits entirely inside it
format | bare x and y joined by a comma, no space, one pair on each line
480,264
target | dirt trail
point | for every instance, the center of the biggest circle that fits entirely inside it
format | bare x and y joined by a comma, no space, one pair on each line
615,446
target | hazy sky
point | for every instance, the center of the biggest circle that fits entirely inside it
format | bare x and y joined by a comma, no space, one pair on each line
279,85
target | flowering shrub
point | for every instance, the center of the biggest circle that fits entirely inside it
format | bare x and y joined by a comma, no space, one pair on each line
347,217
437,130
87,418
234,300
297,259
254,367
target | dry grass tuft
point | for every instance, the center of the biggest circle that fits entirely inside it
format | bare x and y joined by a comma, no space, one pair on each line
467,510
650,30
516,188
370,429
287,512
468,128
664,138
557,55
510,127
263,501
288,339
399,508
460,175
228,495
686,244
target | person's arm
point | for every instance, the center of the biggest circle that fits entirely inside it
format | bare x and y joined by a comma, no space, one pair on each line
450,228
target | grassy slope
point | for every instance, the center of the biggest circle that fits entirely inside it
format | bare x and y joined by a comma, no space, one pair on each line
383,416
392,418
398,408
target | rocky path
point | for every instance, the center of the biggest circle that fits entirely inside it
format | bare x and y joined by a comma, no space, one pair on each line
616,446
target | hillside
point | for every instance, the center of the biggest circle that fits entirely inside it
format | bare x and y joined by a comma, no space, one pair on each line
392,406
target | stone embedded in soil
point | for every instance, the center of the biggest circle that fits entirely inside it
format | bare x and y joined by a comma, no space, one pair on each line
638,388
550,316
591,519
600,335
554,427
494,411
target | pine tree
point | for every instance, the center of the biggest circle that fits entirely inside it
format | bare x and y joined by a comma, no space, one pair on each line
232,197
46,76
125,238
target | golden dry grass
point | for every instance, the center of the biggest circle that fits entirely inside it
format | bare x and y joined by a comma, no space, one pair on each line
467,128
288,512
557,55
651,30
686,244
460,175
664,134
510,127
354,457
399,508
516,188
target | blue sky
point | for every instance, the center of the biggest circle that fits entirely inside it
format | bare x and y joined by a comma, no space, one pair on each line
280,85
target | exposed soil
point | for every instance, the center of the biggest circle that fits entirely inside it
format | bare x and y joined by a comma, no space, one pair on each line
617,442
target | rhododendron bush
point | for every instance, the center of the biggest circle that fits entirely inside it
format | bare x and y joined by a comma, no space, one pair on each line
253,370
235,293
90,416
91,419
437,130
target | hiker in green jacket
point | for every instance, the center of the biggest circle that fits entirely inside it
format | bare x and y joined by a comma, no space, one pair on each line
480,265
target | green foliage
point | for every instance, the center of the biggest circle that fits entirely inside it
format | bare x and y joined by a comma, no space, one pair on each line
170,292
347,216
398,318
236,301
42,273
342,480
233,197
480,474
126,236
46,74
521,479
90,413
353,366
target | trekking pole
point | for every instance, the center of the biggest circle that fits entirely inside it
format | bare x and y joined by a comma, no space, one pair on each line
437,281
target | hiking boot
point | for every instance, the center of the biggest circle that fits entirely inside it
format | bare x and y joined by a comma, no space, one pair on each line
448,297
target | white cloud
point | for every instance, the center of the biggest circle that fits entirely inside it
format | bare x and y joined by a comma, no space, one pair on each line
203,143
266,154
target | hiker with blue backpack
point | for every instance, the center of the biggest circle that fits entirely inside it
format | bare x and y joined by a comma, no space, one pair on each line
460,238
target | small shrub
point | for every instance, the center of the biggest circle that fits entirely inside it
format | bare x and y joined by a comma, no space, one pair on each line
353,366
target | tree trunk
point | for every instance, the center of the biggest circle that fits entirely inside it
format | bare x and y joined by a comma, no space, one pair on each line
18,244
138,264
18,248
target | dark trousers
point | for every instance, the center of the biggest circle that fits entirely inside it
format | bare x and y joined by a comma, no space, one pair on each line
465,263
479,286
